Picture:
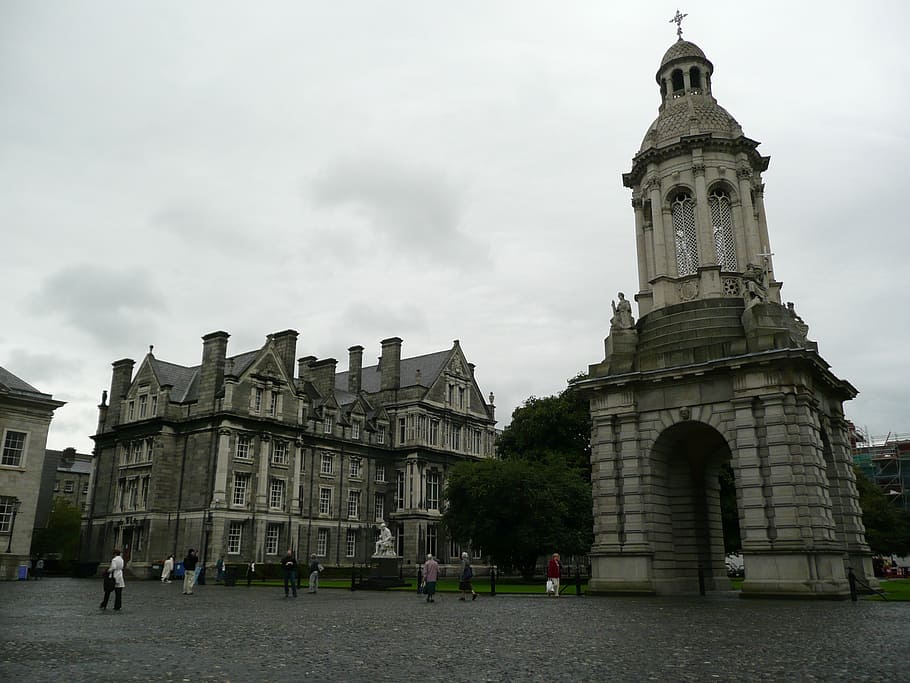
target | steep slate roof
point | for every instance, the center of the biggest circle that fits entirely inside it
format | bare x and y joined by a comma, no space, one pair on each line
430,367
185,380
9,383
82,464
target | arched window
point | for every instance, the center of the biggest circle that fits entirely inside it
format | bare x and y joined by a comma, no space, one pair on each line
683,209
722,228
678,83
695,78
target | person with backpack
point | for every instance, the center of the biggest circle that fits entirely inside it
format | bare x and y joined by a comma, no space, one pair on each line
467,573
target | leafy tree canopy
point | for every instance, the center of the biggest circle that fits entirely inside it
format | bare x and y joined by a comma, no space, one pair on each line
61,535
551,428
518,510
887,526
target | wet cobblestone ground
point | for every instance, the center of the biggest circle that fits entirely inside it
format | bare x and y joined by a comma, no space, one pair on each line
53,630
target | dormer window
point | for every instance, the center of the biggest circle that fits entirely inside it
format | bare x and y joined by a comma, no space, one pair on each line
143,405
380,435
154,406
131,410
257,399
327,424
355,429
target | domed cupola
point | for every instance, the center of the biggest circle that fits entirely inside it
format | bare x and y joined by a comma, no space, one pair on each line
697,192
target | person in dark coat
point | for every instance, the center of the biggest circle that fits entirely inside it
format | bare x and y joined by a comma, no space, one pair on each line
289,565
189,571
467,573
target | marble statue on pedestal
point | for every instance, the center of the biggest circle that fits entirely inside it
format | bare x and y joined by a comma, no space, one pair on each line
384,544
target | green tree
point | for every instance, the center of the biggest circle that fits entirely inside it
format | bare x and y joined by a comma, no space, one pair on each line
550,428
887,526
518,510
61,535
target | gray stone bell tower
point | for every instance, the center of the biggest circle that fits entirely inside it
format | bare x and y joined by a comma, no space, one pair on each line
716,371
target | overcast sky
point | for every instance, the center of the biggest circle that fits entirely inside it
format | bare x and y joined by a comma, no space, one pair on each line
421,169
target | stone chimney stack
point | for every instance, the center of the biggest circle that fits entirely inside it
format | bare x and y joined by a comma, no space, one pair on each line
323,372
286,346
390,363
211,374
303,367
355,366
121,377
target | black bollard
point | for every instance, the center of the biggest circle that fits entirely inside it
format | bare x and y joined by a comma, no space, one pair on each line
353,586
851,579
701,581
493,581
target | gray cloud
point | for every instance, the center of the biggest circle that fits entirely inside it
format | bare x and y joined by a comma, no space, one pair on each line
187,221
415,209
43,370
108,305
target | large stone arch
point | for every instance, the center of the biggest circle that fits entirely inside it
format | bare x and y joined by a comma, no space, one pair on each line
687,538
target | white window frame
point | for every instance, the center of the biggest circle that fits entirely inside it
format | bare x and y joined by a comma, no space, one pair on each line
380,435
355,468
69,486
154,410
234,538
433,486
272,538
243,451
276,493
13,455
257,399
379,506
433,540
143,405
6,514
328,424
380,473
327,464
322,542
243,488
350,543
325,500
353,504
280,452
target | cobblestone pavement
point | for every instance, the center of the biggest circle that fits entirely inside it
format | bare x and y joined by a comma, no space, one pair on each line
53,629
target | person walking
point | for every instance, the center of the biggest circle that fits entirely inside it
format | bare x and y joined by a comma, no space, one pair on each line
430,576
315,568
168,568
467,573
189,571
289,564
39,568
554,574
114,582
219,570
250,572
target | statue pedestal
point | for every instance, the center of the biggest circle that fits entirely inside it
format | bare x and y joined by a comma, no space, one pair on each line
384,573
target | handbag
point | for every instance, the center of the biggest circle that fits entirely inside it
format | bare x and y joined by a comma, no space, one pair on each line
550,586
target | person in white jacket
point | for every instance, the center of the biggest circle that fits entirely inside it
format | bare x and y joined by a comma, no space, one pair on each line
116,572
168,568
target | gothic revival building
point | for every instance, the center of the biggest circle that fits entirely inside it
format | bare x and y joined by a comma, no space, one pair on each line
716,372
247,455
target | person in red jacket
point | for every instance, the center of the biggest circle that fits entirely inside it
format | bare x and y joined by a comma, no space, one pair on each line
554,572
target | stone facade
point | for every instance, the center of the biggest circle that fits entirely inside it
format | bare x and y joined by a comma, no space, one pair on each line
717,371
247,455
25,416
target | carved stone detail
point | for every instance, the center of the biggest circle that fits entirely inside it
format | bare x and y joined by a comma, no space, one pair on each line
688,290
698,169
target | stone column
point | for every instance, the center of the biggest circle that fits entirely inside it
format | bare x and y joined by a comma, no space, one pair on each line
296,463
749,226
262,486
707,253
221,468
641,246
660,247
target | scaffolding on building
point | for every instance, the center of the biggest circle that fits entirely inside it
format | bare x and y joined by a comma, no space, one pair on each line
886,462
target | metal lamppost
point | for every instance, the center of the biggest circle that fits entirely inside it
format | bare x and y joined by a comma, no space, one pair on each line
16,505
207,528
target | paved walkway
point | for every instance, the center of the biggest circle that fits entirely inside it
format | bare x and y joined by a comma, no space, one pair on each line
53,630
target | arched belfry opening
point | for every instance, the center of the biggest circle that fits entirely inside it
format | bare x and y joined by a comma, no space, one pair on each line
687,461
717,383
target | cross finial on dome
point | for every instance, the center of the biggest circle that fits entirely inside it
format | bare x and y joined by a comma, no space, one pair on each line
678,21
